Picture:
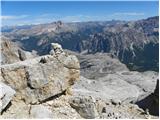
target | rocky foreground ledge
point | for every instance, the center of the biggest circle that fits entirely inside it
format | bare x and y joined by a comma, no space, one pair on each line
34,81
41,88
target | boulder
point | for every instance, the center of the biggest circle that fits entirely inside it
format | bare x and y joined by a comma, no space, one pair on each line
85,106
6,95
39,80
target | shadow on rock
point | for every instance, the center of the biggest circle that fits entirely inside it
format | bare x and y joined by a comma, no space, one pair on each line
151,102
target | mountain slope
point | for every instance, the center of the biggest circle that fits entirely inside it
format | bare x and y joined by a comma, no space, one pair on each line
135,43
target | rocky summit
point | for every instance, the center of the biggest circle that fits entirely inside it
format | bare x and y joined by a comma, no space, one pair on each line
37,80
51,86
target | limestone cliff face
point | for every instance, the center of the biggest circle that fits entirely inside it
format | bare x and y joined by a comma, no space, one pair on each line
11,52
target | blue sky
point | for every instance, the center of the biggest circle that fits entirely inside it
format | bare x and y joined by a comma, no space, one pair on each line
32,12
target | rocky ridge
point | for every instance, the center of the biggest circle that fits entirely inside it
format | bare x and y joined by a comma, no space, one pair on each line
49,84
37,80
11,52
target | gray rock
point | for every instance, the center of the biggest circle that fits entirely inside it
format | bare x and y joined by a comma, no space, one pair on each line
39,112
85,106
6,95
57,48
107,88
99,64
17,110
101,106
122,86
36,77
115,102
22,55
11,52
40,81
124,111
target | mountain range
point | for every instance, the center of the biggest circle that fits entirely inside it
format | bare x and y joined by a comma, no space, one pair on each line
92,77
134,43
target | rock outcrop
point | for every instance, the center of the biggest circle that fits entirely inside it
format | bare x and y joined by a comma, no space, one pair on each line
36,82
11,52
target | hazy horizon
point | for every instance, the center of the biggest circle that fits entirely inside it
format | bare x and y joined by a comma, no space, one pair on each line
71,22
34,12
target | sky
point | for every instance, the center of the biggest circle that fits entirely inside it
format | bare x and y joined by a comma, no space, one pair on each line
37,12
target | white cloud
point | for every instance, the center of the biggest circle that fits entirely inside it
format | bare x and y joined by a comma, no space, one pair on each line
5,17
51,17
75,18
128,14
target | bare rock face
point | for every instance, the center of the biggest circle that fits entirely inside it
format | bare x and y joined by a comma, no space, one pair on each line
36,81
98,65
11,52
6,95
122,86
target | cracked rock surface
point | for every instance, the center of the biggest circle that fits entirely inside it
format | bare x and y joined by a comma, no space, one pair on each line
39,81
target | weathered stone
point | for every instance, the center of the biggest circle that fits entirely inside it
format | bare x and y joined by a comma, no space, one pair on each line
40,81
57,48
107,88
39,111
14,75
22,55
6,95
36,78
101,106
115,101
85,106
129,86
17,110
11,51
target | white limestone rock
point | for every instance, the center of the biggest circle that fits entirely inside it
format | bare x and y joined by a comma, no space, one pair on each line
6,94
